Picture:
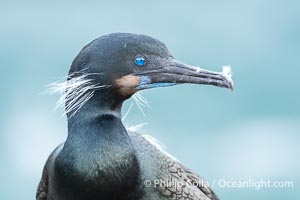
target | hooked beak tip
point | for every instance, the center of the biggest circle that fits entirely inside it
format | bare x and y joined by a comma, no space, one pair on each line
231,87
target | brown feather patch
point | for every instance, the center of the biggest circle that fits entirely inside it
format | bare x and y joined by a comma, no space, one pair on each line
127,84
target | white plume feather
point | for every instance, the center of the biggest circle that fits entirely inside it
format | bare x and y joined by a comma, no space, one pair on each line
74,90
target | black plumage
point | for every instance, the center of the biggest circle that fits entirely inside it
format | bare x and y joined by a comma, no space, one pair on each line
100,158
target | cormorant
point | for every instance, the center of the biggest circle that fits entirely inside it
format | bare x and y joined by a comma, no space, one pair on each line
100,159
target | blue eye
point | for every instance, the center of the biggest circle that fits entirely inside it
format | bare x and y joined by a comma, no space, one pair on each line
140,60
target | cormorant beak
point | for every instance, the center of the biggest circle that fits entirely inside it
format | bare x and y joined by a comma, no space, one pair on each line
176,72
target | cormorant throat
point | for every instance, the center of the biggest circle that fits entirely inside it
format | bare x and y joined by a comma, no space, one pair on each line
98,160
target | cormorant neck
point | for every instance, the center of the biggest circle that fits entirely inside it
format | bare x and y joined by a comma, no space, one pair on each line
98,158
103,102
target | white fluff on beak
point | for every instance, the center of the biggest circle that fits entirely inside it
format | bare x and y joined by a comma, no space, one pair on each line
227,73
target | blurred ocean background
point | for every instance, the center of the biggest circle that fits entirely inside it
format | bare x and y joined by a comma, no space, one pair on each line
251,133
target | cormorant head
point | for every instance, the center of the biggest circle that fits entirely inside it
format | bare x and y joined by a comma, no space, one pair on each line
126,63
